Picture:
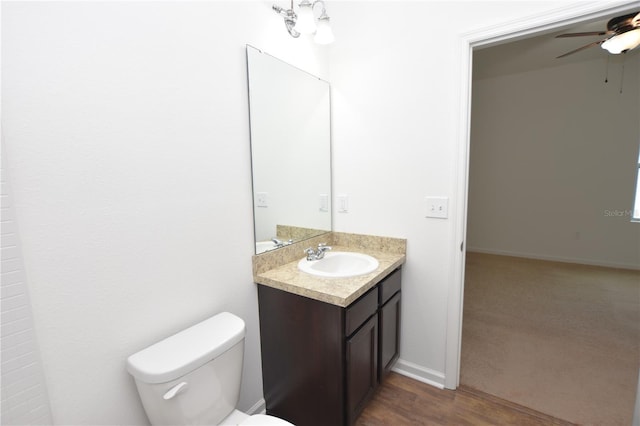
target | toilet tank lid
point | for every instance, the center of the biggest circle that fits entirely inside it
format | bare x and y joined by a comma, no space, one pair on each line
187,350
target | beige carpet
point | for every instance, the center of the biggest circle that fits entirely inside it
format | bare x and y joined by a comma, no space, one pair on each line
560,338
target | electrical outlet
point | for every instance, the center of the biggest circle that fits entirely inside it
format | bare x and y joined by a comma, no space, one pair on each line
262,199
437,207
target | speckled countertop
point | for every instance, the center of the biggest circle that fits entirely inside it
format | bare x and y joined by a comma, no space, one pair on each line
390,253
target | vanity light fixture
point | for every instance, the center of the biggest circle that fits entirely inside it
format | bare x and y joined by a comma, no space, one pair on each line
304,22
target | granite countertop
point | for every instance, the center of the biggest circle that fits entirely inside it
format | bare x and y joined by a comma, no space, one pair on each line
337,291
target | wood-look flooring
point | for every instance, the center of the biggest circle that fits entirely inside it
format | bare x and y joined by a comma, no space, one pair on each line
402,401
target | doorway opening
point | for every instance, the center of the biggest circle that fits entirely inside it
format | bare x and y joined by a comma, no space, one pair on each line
472,42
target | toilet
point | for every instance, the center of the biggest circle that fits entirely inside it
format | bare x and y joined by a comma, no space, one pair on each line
193,377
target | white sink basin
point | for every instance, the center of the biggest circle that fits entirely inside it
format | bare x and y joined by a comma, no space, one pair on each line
339,264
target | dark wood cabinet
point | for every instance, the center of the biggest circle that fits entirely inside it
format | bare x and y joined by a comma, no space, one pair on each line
362,368
389,348
321,363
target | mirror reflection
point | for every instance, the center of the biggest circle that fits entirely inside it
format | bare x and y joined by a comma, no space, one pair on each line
289,111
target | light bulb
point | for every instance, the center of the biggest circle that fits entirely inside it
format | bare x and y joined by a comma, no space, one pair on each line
622,42
306,21
324,34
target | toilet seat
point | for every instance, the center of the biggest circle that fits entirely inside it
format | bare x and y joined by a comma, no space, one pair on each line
264,420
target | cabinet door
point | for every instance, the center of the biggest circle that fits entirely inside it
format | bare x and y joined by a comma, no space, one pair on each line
389,334
303,367
362,368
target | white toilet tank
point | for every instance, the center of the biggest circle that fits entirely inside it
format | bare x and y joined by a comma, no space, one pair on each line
192,377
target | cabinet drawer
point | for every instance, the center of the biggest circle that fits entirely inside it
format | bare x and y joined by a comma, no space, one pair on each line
390,286
360,310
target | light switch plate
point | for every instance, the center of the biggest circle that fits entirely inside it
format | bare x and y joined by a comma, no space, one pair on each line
437,207
343,203
324,202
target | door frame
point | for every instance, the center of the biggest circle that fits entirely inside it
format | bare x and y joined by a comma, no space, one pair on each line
528,27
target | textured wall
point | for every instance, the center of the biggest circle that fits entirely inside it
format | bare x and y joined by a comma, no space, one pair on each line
24,390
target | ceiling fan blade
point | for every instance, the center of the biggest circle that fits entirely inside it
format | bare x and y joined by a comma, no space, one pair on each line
589,33
586,46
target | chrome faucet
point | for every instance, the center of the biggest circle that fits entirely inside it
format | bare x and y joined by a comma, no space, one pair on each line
279,243
317,254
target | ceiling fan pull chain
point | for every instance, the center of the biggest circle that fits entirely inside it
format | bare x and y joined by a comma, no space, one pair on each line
606,73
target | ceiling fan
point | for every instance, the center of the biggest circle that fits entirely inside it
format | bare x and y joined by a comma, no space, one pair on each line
623,34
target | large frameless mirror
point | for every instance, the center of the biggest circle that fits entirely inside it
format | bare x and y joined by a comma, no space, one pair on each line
289,111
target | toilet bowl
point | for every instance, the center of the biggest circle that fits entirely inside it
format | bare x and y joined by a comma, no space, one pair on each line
193,377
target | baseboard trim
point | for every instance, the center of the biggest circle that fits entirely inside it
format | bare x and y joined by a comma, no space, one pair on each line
259,407
405,368
580,261
419,373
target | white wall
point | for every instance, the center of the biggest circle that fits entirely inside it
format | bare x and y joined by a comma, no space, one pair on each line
554,161
127,140
24,388
394,75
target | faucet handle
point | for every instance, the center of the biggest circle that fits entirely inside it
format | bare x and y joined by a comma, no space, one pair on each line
311,253
323,247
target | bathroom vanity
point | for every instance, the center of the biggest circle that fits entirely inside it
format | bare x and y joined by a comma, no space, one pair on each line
327,342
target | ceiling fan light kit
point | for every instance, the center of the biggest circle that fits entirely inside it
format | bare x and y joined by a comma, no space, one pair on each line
623,42
623,34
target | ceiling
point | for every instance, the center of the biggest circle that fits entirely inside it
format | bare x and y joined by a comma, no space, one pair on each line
541,51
